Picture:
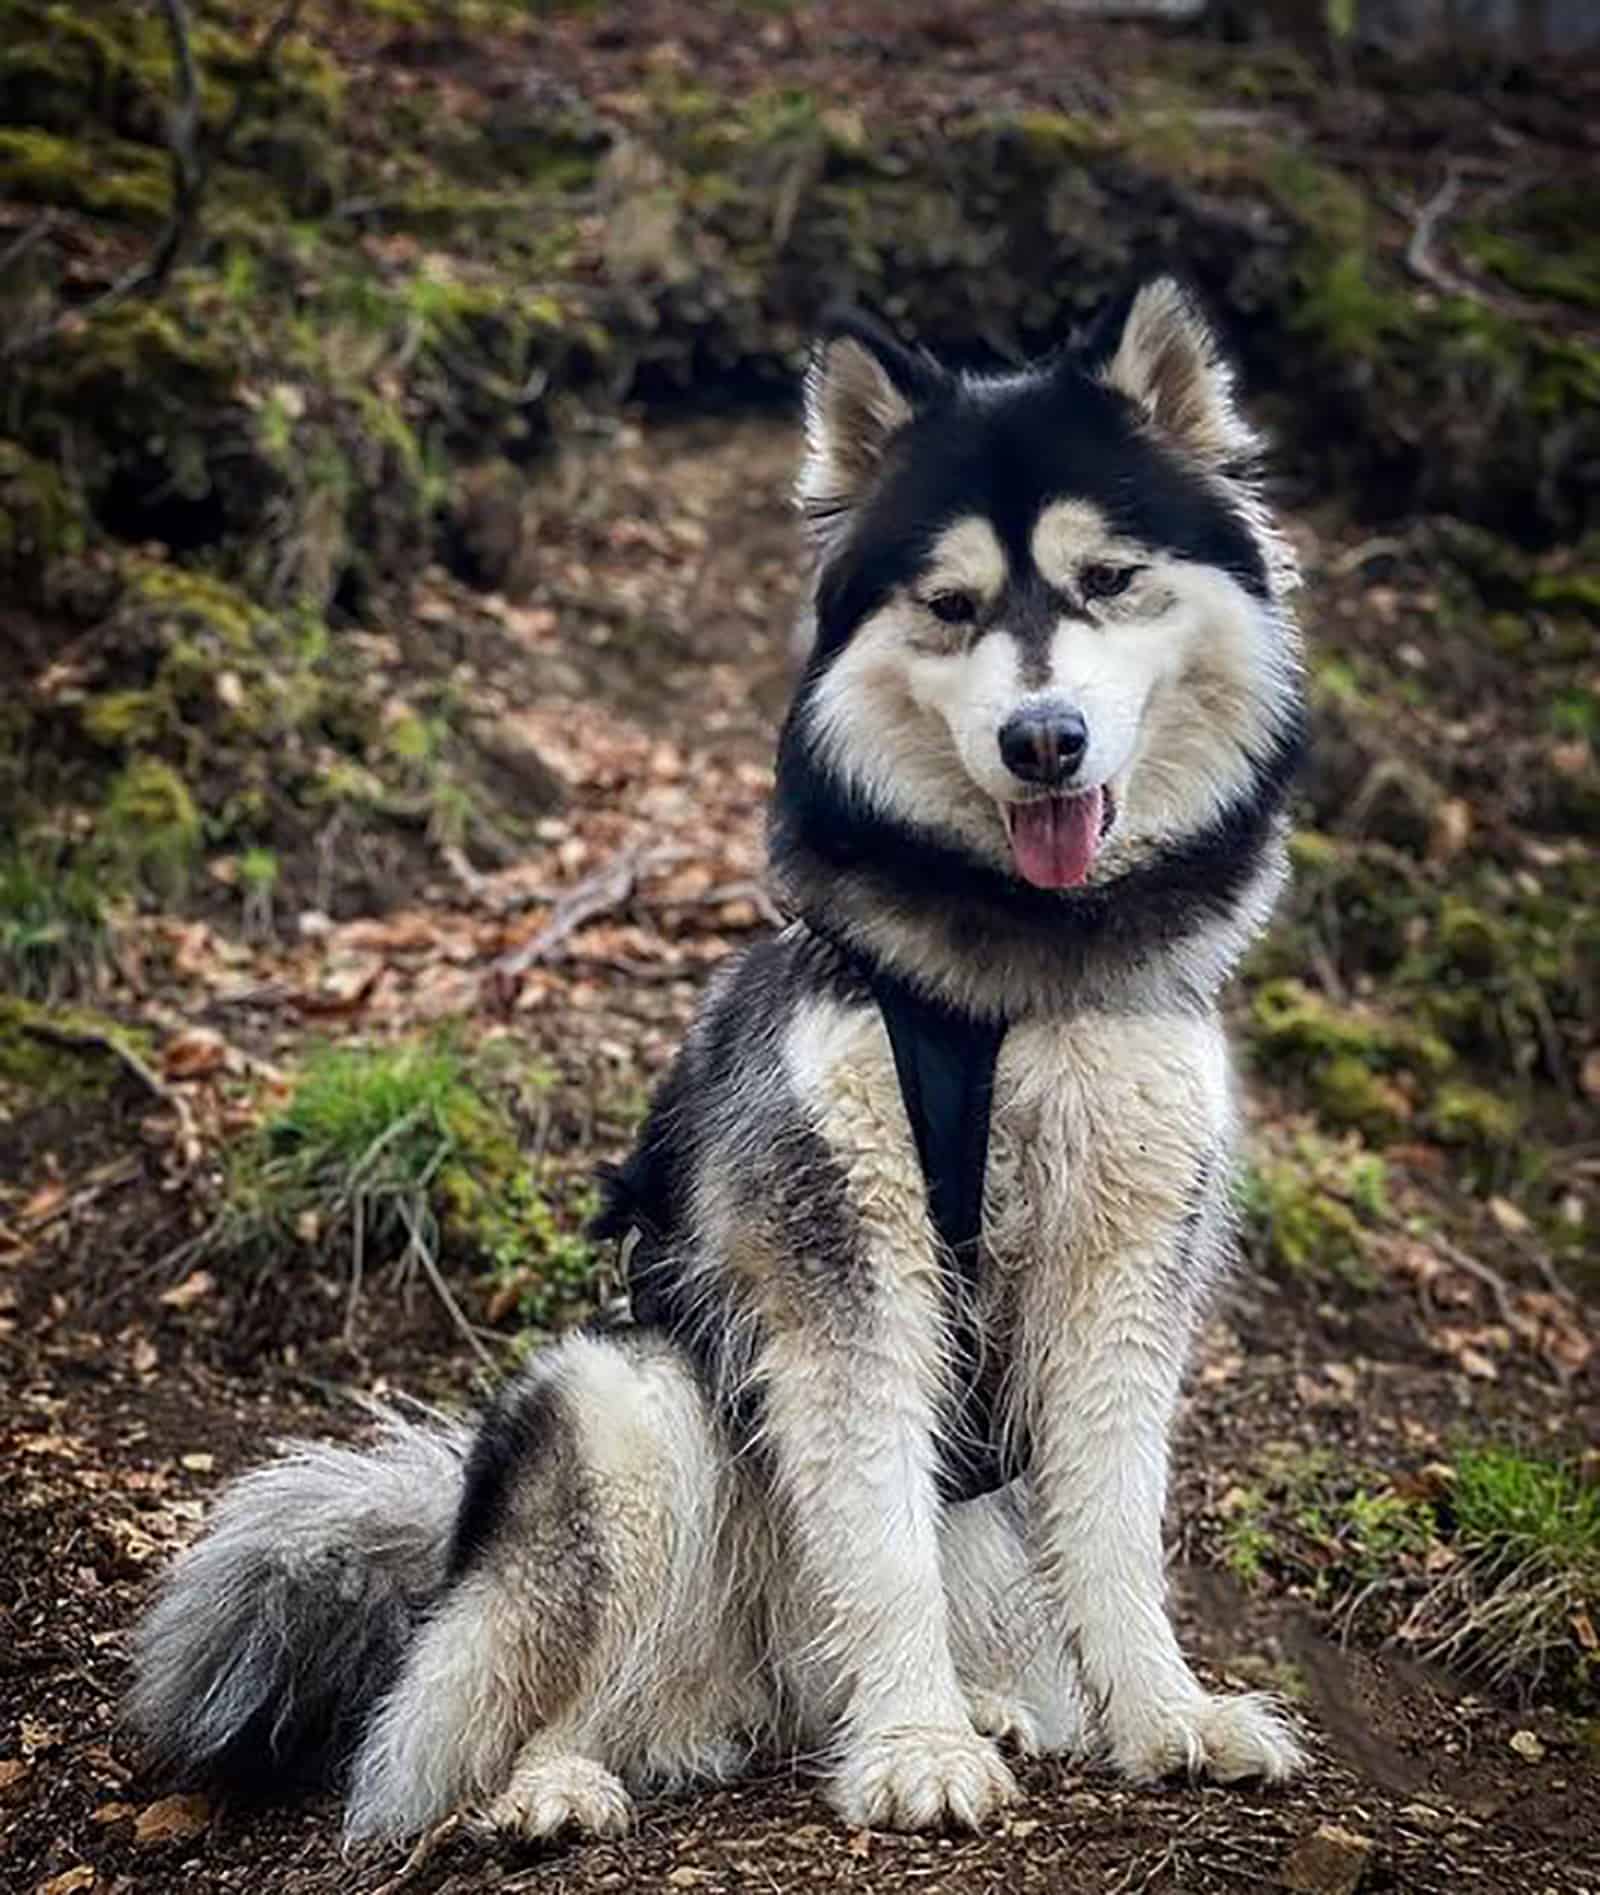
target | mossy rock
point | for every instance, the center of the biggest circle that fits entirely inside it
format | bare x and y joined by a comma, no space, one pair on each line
1471,941
68,63
75,1067
141,400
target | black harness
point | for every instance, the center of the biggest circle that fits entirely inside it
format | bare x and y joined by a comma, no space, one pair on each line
945,1061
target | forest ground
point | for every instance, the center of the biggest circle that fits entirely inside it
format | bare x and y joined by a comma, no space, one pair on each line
136,1391
480,763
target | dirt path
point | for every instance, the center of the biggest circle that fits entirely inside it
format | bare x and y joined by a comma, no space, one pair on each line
654,655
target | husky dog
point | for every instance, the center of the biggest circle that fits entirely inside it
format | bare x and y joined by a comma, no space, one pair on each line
921,1222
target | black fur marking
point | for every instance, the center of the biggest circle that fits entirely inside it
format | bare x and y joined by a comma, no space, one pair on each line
1030,614
523,1424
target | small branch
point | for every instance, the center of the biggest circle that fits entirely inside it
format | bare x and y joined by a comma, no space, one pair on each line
422,1251
257,70
419,1856
1458,1259
750,891
20,245
607,888
1419,246
1426,221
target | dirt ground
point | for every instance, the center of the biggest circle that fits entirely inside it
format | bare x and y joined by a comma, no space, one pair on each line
133,1385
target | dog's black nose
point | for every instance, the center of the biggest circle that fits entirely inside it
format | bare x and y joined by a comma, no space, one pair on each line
1044,743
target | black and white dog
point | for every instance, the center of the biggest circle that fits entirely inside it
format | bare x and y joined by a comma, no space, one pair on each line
921,1223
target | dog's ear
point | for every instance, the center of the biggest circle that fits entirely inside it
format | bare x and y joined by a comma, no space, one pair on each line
1158,350
861,389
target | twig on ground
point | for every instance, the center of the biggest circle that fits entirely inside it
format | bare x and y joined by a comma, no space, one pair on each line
744,890
112,1178
1426,221
1458,1259
21,244
419,1249
609,887
88,1039
426,1844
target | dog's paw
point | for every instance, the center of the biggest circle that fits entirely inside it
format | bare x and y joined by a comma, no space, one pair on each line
554,1794
1032,1730
1224,1738
1006,1719
921,1779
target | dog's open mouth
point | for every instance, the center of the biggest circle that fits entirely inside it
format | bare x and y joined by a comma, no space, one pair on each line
1054,839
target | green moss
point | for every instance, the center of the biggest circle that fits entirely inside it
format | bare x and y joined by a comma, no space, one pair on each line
1472,1116
1297,1028
111,177
183,600
1470,941
1328,1527
1349,1094
47,1070
149,825
41,520
1550,253
142,398
125,720
1568,592
1295,1225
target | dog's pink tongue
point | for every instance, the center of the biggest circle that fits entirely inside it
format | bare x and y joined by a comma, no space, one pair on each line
1054,839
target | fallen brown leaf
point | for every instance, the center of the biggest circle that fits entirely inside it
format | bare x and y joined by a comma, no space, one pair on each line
194,1288
193,1053
67,1882
172,1819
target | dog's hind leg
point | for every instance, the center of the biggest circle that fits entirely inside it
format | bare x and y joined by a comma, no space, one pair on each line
1021,1682
595,1634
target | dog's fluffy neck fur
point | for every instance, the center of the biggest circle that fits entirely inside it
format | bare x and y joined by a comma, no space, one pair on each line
961,931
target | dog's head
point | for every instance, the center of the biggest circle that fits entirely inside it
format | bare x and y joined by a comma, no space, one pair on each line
1048,624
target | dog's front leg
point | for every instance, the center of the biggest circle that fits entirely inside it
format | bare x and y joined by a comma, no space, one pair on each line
850,1428
1116,1330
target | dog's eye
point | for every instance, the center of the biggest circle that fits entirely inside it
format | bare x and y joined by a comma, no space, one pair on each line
1106,582
953,608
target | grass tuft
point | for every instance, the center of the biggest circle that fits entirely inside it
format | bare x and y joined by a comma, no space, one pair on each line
1525,1597
400,1153
52,925
1528,1590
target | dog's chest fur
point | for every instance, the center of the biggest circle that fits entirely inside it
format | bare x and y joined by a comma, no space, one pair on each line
1103,1126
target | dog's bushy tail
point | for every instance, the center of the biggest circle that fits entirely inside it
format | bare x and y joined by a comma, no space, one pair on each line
279,1629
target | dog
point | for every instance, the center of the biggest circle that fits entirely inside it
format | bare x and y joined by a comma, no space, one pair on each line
920,1224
